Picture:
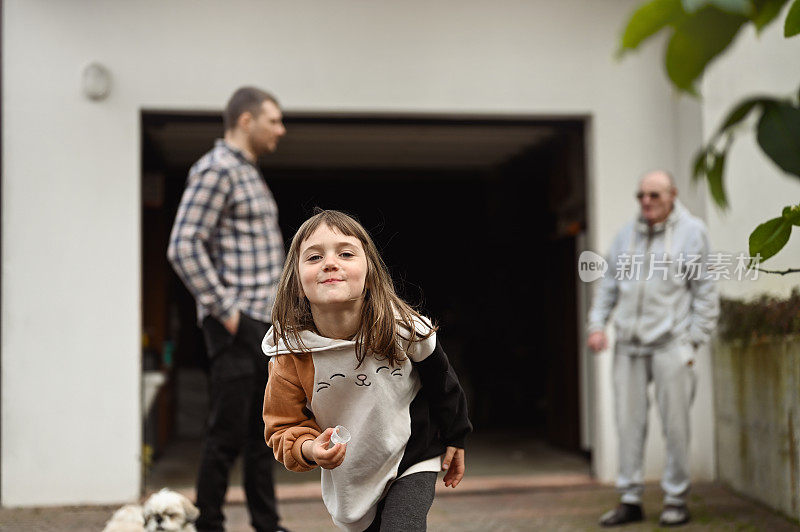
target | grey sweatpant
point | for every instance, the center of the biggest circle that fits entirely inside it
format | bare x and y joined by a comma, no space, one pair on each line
675,384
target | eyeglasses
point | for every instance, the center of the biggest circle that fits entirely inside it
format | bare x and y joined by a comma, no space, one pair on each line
652,195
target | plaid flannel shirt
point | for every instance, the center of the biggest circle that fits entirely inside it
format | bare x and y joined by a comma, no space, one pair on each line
226,245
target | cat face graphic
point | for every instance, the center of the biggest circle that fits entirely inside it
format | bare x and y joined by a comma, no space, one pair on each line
361,380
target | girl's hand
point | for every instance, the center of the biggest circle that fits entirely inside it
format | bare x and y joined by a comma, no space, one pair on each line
455,466
319,452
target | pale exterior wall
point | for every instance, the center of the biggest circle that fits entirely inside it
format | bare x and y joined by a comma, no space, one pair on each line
757,188
758,421
71,250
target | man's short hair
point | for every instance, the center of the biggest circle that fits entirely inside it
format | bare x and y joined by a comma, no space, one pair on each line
245,99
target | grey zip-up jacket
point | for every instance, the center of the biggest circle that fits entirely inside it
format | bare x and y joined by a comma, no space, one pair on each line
678,301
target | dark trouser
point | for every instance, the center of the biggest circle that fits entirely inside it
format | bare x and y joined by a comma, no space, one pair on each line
238,374
406,504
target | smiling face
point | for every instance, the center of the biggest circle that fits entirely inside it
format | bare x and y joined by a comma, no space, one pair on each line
332,268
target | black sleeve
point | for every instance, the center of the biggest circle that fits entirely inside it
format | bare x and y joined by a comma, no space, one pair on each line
448,404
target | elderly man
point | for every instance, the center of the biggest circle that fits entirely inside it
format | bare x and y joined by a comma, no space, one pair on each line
227,248
666,307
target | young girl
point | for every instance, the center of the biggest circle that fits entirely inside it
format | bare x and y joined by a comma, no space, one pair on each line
346,350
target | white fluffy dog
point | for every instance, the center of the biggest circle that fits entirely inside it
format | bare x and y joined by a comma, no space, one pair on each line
166,511
169,511
129,518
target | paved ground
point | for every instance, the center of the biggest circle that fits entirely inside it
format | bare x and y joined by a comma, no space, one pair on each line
574,507
511,485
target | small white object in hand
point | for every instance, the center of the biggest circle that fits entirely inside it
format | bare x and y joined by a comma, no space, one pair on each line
340,435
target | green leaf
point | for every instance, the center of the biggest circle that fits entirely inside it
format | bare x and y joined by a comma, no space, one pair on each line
700,164
690,6
741,111
765,12
693,5
769,238
779,135
715,184
742,7
792,214
792,25
696,41
648,20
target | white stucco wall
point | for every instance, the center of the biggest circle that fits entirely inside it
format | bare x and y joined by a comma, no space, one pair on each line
757,188
71,259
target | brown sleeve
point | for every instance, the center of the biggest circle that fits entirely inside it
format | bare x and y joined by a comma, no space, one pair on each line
287,421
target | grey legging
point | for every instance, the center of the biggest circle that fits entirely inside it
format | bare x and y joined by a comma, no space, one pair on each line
405,507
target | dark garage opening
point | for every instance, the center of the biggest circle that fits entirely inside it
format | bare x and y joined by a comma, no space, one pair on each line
478,219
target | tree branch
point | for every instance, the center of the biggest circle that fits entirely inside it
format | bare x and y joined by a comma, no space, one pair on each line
790,270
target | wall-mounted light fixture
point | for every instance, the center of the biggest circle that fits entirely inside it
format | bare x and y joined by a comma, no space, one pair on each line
96,82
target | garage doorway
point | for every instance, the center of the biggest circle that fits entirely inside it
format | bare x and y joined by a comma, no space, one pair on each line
478,218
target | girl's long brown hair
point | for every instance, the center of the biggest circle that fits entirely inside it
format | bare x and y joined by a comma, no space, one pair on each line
382,314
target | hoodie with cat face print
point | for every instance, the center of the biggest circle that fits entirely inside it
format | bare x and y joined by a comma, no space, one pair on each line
401,417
